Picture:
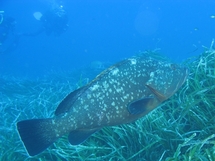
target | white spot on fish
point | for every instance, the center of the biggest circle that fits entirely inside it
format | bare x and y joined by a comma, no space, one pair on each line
93,88
88,96
119,89
152,74
53,122
115,71
133,61
105,85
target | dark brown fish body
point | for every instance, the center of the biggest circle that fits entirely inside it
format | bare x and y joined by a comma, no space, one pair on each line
121,94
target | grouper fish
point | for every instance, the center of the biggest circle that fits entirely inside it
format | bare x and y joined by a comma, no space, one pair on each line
120,94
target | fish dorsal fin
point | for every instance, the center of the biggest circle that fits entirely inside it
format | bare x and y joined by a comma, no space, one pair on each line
67,103
161,97
108,70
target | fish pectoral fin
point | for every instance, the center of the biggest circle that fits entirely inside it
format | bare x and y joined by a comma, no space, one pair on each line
161,97
141,106
79,136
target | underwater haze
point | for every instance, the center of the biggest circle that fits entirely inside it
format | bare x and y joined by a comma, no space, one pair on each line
51,50
106,31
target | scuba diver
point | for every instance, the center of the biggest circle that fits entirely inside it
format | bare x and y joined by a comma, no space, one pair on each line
8,38
54,21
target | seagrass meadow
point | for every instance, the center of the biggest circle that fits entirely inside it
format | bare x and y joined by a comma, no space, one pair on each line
182,128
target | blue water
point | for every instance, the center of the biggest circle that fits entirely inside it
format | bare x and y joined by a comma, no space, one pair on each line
106,31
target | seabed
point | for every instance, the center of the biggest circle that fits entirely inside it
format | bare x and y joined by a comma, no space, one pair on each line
182,128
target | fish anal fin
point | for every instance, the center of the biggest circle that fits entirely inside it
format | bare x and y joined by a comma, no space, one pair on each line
79,136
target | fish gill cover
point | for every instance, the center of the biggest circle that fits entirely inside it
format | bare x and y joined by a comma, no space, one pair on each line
181,129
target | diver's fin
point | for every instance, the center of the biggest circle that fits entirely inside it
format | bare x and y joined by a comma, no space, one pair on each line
67,103
161,97
79,136
140,106
36,134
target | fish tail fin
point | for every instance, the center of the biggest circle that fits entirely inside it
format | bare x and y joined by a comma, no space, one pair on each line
37,134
